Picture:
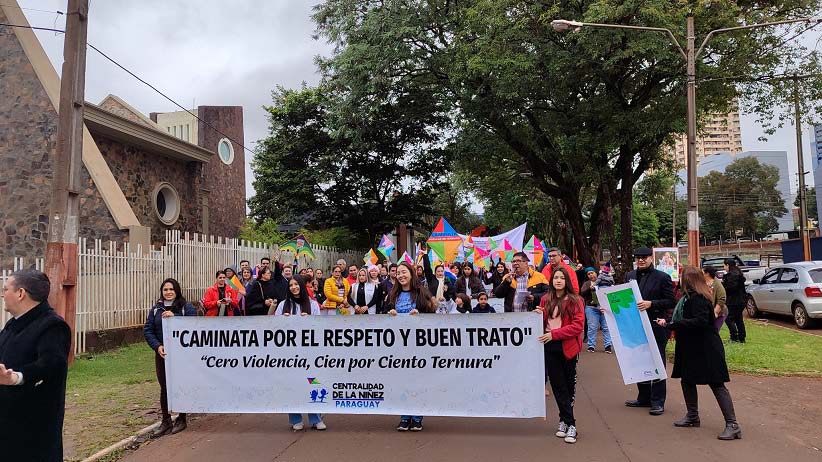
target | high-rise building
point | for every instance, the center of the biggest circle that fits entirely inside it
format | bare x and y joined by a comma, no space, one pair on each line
720,133
816,145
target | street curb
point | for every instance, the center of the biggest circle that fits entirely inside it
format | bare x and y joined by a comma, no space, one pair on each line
120,444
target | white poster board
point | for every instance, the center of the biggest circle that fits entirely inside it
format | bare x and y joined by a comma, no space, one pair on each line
666,259
480,366
631,334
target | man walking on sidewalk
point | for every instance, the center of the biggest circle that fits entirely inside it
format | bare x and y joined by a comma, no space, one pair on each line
658,300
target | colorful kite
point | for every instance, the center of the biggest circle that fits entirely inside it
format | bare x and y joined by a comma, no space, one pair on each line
444,241
235,283
482,258
405,258
506,251
535,250
299,246
371,258
419,253
386,246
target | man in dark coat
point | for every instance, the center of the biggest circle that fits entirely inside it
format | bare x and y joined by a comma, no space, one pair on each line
34,349
658,300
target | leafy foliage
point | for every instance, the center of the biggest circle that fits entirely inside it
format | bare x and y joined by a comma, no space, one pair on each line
810,198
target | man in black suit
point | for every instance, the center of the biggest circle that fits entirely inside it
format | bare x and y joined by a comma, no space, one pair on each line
34,349
658,300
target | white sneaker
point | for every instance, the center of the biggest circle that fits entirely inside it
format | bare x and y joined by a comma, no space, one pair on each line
571,435
297,427
320,425
561,429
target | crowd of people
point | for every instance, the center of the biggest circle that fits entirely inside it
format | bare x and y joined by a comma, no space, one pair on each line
571,313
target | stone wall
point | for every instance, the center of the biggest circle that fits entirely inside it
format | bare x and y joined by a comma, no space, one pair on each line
28,137
224,184
138,173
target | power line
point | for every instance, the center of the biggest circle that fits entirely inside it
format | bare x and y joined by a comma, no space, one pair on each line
32,9
113,61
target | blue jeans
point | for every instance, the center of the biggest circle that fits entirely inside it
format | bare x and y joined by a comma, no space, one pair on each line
313,419
595,321
415,418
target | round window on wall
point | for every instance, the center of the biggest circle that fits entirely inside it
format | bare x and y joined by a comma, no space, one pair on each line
166,203
226,151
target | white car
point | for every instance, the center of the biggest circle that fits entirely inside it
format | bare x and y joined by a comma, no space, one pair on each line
793,289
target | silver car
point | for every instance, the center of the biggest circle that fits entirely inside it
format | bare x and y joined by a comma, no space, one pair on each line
793,289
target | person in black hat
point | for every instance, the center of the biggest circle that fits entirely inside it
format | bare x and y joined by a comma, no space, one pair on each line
658,300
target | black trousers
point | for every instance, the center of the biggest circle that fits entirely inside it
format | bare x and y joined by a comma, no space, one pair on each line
655,391
160,368
722,395
562,373
736,326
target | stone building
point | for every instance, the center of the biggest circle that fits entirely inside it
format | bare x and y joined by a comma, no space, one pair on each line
139,179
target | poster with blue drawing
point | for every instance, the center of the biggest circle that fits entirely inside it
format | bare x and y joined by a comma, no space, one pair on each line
631,333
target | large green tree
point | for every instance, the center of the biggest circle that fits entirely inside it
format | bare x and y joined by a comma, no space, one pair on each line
583,111
742,201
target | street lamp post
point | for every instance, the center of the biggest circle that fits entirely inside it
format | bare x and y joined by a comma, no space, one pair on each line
562,25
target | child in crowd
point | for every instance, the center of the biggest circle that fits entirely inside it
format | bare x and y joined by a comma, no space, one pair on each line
482,305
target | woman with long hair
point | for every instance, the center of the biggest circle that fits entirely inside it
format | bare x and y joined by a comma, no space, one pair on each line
563,316
298,303
735,299
440,287
261,296
699,358
496,276
336,290
408,297
364,297
468,283
171,303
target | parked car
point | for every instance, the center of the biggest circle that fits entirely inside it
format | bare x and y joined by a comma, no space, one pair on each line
792,289
750,268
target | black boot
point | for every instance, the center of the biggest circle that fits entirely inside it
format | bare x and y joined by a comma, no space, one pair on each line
687,421
732,432
163,429
179,424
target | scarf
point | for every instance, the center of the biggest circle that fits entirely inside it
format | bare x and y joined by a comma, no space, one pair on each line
440,288
680,307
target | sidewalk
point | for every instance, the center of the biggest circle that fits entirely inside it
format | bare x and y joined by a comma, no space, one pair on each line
780,417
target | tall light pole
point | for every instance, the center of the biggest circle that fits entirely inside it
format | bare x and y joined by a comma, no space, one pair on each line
562,25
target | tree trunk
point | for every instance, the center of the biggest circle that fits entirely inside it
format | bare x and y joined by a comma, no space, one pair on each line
624,256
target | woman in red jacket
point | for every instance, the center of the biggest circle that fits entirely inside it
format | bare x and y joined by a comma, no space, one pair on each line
220,300
563,316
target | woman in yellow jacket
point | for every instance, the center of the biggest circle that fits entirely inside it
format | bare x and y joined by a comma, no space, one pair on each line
336,290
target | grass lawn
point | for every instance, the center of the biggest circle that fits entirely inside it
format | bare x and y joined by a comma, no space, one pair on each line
109,396
772,350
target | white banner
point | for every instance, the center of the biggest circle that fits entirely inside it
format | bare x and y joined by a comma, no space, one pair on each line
515,236
473,365
631,334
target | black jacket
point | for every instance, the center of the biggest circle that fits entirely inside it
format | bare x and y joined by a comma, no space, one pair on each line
699,355
385,288
376,299
734,289
473,283
433,283
153,329
494,278
31,415
656,287
279,282
255,295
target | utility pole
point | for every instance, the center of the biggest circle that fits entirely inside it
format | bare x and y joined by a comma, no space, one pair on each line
61,250
693,209
803,205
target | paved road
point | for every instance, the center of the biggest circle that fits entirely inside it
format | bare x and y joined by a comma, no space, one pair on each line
780,417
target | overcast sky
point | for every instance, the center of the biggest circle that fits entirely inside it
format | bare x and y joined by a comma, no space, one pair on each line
209,52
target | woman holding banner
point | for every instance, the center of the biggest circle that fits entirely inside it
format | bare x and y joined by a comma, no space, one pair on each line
171,303
408,297
699,358
298,303
336,289
260,294
364,295
439,286
563,315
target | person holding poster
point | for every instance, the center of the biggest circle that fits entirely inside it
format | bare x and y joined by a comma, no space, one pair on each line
298,303
563,315
658,300
408,297
699,358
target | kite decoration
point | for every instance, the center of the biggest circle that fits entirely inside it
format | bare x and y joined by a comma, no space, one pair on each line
434,259
386,246
482,258
445,241
535,250
406,258
299,246
419,253
506,250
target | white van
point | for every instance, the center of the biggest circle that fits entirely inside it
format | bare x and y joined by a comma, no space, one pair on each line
776,237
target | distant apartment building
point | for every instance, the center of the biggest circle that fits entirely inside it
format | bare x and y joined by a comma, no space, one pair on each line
719,133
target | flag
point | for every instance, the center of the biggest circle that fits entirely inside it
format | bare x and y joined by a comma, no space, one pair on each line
386,246
535,250
419,253
444,241
371,258
235,283
405,258
433,258
298,246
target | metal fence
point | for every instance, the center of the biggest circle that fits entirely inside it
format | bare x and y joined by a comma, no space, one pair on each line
118,283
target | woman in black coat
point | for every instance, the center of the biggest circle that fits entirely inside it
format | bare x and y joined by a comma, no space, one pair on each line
434,279
495,277
260,295
734,283
699,356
